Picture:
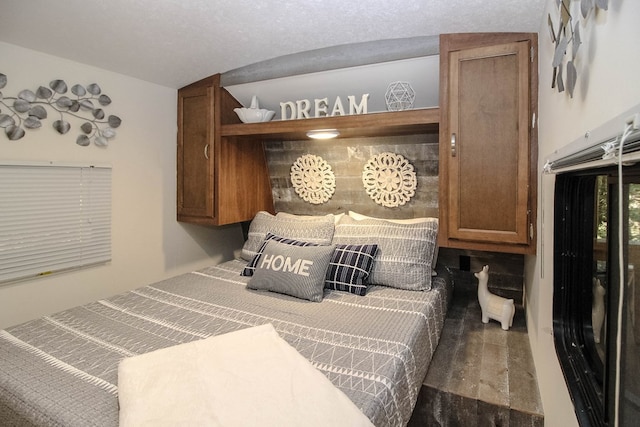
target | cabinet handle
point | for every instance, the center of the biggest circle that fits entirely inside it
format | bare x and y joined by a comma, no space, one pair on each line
453,145
206,151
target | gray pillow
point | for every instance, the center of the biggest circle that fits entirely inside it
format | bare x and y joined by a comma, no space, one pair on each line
251,266
405,251
318,231
336,217
434,260
298,271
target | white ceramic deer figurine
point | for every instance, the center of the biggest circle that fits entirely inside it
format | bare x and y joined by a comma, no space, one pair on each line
493,306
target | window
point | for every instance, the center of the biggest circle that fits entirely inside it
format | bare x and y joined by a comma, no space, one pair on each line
53,218
597,334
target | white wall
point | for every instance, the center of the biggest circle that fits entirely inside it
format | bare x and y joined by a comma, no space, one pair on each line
148,244
608,71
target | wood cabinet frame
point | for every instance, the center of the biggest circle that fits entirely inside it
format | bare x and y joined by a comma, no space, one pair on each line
221,179
237,162
451,234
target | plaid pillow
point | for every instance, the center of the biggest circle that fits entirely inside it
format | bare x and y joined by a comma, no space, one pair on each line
251,266
349,268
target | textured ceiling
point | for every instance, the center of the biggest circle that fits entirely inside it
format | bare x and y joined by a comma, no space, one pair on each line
175,42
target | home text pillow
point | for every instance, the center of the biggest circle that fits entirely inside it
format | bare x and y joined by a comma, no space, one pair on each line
434,260
318,231
251,266
292,270
349,268
405,251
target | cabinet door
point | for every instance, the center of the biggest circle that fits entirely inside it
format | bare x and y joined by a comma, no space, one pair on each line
487,147
195,152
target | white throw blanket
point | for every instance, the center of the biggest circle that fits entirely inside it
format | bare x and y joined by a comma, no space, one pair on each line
251,377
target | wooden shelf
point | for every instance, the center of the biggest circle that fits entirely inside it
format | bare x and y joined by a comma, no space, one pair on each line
406,122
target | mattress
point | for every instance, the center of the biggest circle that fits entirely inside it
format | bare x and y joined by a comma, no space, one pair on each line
61,370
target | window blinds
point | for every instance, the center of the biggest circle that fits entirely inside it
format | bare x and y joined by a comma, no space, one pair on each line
53,218
600,146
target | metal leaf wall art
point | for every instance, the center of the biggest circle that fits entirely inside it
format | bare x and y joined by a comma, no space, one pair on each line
28,109
565,34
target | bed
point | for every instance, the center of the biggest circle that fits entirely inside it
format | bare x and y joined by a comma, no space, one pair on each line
373,342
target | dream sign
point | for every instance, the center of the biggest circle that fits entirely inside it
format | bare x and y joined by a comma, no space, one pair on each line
305,109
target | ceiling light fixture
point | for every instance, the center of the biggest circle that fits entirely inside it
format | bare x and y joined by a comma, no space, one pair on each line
323,133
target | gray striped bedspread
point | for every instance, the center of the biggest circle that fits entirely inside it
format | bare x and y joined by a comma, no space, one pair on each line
61,370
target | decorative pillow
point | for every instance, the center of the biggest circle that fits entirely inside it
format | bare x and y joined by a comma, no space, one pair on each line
318,231
292,270
251,266
360,217
349,268
336,217
405,251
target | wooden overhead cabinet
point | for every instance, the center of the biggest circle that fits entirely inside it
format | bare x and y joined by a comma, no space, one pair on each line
488,141
221,180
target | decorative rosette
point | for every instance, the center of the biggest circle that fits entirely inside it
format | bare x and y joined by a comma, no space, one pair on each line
389,179
312,179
